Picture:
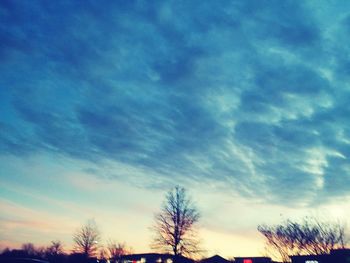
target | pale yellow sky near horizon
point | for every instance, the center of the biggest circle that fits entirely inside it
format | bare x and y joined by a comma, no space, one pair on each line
227,226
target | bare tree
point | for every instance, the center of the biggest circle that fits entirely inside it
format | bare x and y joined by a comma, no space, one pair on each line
29,249
310,236
103,254
40,252
56,248
175,224
54,253
86,239
116,249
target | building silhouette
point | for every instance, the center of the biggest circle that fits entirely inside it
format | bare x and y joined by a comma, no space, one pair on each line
153,258
335,256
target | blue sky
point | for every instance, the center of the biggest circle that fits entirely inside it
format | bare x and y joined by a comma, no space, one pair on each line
105,106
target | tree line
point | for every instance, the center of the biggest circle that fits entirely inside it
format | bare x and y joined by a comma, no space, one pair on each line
175,231
306,237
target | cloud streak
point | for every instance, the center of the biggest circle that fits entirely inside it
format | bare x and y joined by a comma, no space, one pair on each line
231,92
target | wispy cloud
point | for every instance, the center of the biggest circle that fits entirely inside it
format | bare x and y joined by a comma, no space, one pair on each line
242,93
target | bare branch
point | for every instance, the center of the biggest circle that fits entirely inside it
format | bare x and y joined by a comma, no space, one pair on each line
175,223
310,236
86,239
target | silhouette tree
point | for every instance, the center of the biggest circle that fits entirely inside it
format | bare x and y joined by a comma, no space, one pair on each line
15,253
6,251
116,250
174,226
86,239
55,249
307,237
54,252
103,254
29,249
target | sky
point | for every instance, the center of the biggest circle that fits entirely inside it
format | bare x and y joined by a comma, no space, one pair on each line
106,105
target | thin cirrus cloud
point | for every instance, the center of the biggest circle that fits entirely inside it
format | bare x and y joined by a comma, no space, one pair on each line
251,94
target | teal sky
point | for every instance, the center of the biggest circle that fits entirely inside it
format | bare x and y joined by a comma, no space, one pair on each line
107,105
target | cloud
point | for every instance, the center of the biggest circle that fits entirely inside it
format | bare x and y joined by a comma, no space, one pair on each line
231,92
